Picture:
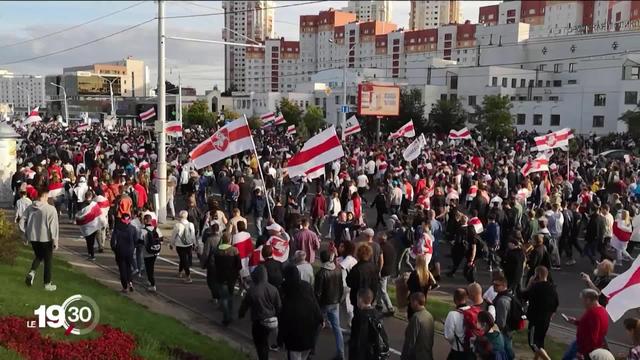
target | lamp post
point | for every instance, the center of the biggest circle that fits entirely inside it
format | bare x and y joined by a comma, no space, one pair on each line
28,98
162,134
66,107
113,109
344,84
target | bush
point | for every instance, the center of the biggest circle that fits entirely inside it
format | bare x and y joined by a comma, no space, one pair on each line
9,240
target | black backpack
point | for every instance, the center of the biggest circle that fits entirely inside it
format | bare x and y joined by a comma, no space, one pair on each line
378,340
516,316
152,242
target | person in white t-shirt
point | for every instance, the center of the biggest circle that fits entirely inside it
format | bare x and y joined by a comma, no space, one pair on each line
362,182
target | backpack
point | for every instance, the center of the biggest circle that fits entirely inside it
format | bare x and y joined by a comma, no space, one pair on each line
471,328
152,242
378,340
516,318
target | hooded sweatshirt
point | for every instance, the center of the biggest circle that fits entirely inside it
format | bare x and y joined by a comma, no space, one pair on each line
262,298
41,223
301,317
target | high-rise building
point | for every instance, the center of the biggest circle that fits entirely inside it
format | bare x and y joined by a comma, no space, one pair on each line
370,10
426,14
23,91
130,74
243,21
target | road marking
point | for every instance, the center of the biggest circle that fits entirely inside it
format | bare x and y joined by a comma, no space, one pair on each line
176,264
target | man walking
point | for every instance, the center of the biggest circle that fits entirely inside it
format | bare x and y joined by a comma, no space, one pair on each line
543,302
329,290
318,210
41,230
123,243
418,338
307,241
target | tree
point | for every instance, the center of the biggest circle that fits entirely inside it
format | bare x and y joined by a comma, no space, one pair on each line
291,112
254,122
632,119
446,115
411,108
495,120
313,119
198,114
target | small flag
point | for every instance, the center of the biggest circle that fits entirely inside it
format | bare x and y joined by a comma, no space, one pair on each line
351,126
461,134
291,130
413,150
319,150
406,130
149,114
173,128
82,127
556,139
539,164
34,117
267,118
279,120
233,138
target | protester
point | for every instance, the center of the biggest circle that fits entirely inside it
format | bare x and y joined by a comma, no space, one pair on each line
306,240
329,291
632,325
366,329
304,268
592,326
183,238
123,242
454,330
543,303
418,337
420,280
364,275
227,266
491,345
152,243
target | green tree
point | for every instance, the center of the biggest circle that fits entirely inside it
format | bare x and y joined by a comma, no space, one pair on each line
254,122
231,115
632,119
446,115
495,120
411,108
291,112
198,114
313,119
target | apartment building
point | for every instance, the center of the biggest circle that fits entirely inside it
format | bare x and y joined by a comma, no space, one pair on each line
22,91
427,14
370,10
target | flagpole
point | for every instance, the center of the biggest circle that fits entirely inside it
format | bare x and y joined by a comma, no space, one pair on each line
264,186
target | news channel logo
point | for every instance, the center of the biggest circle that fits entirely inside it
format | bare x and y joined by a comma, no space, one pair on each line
77,315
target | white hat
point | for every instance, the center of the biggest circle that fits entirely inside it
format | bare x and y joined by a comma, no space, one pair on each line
274,227
369,232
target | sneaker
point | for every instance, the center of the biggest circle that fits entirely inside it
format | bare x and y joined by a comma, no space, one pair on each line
50,287
92,258
188,280
570,262
555,267
151,289
274,348
29,279
180,276
130,287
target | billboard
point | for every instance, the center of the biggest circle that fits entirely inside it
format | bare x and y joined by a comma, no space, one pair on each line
378,100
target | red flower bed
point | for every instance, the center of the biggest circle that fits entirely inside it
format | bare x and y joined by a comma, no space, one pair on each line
113,344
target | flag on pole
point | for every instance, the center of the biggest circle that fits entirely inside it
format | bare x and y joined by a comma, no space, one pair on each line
556,139
173,128
315,172
351,126
405,130
319,150
413,150
538,164
148,114
231,139
34,117
291,130
623,291
279,120
267,118
82,127
461,134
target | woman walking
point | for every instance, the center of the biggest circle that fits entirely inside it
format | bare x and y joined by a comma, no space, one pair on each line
184,238
420,280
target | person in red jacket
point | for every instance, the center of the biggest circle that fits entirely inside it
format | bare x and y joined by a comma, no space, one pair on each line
142,194
592,326
318,210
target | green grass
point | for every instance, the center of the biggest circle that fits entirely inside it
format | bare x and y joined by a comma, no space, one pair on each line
155,334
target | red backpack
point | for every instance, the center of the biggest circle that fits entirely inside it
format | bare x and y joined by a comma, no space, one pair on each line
471,328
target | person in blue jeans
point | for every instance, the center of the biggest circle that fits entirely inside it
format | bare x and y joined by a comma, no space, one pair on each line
329,290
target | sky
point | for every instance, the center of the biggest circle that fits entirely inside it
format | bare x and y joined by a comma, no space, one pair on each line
200,65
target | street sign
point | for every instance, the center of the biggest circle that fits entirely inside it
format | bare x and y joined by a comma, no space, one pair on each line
345,109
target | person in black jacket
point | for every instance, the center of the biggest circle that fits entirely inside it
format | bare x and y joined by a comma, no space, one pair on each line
364,275
123,244
543,302
361,346
380,203
300,318
273,267
264,301
513,264
227,270
538,256
329,290
387,271
594,237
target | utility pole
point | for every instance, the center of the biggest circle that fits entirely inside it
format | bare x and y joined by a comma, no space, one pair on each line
113,108
162,135
179,107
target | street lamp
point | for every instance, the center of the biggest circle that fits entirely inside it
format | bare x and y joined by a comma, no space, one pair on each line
66,106
344,84
28,97
113,110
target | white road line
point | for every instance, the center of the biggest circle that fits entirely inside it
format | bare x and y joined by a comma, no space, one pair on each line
176,264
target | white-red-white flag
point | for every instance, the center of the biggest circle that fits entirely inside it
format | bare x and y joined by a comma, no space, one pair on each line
34,117
461,134
291,130
56,189
623,291
351,126
414,149
267,118
538,164
319,150
173,128
82,127
556,139
279,251
90,219
477,224
315,172
279,120
406,130
148,114
231,139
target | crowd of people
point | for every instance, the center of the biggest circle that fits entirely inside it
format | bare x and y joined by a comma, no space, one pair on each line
312,253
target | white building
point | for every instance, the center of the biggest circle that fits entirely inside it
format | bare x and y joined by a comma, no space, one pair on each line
244,21
370,10
428,14
23,91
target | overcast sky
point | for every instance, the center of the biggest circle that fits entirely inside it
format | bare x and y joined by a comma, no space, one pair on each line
201,65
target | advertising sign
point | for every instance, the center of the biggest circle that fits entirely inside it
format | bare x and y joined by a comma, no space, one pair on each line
378,100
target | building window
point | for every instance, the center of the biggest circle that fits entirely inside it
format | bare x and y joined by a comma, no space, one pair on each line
454,82
541,67
572,82
521,119
557,68
540,83
572,67
599,99
537,98
537,119
505,82
635,72
555,120
453,97
522,98
548,83
523,83
514,83
553,98
337,99
443,97
494,81
598,121
472,100
511,12
630,97
557,83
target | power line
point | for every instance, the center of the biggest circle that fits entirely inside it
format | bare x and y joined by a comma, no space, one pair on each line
241,11
71,27
80,45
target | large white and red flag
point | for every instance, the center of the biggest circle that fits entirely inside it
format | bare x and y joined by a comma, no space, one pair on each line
623,291
351,126
173,128
148,114
90,219
406,130
279,120
538,164
556,139
56,189
279,250
34,117
461,134
291,130
319,150
231,139
315,173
